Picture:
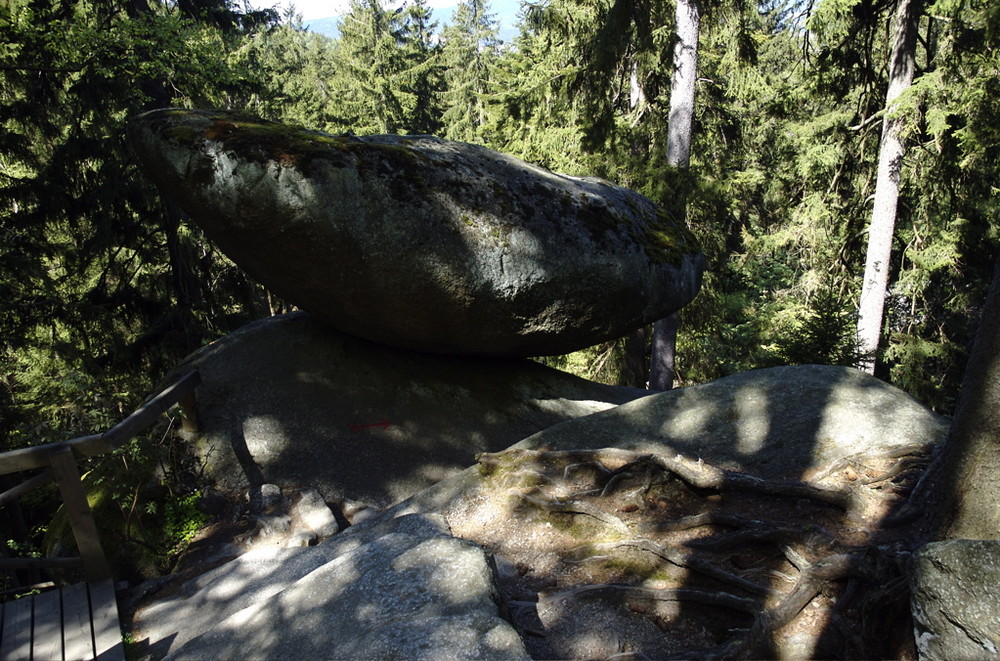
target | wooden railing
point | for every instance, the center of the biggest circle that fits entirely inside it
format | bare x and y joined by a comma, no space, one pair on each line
58,462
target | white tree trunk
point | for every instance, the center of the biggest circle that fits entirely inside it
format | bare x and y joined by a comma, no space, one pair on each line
682,84
682,87
890,162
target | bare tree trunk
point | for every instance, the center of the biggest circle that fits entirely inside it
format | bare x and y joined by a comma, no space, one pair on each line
682,89
682,84
890,162
664,350
970,484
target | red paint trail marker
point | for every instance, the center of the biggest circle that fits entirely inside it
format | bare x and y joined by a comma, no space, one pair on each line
358,427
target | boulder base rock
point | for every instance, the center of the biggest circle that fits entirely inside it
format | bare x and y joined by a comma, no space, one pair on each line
781,422
401,588
419,242
291,401
956,606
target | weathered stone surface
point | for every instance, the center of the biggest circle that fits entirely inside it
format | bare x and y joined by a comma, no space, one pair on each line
955,600
419,242
401,588
291,401
315,514
781,422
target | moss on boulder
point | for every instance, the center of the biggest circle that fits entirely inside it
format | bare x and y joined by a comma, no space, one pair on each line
419,242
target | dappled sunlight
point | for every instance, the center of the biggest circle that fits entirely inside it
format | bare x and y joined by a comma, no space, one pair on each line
692,423
753,420
268,435
704,514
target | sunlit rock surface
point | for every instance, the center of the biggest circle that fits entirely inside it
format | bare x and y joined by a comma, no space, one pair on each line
399,588
782,422
419,242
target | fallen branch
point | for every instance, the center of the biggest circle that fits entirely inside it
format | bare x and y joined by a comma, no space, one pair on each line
695,472
680,559
625,593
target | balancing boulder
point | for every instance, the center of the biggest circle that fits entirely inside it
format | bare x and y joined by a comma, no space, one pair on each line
422,243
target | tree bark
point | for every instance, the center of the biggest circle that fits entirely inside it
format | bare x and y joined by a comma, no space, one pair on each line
969,488
682,92
664,350
891,150
682,84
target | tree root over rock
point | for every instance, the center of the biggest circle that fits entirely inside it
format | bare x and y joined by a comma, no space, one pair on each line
616,520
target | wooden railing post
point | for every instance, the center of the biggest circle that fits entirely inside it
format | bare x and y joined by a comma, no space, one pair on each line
189,411
81,519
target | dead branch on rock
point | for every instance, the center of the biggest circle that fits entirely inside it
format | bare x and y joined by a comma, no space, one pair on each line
695,472
632,593
680,559
578,507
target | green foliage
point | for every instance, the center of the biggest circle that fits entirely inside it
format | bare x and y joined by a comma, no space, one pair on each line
824,334
104,286
470,52
183,520
386,70
144,498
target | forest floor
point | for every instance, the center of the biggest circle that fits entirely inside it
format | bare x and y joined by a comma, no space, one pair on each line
609,554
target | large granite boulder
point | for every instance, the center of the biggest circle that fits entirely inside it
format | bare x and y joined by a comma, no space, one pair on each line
781,422
291,401
419,242
955,601
397,588
792,422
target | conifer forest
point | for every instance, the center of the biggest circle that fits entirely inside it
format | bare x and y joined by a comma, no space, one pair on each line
104,286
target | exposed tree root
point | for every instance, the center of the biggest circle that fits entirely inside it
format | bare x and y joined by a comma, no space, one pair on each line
578,507
681,559
631,593
695,472
810,546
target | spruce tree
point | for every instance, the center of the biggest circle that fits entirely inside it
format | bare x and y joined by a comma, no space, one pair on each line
470,49
386,69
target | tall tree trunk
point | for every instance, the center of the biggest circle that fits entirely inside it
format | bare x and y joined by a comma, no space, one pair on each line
682,88
970,486
682,84
890,162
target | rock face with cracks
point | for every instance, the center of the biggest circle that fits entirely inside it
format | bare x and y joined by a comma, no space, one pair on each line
419,242
956,608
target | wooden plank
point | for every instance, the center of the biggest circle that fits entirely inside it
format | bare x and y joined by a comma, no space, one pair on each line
88,446
16,643
24,459
77,636
147,414
47,642
40,563
38,480
189,412
104,614
95,565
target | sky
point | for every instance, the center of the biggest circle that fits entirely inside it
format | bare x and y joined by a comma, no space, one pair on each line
316,9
